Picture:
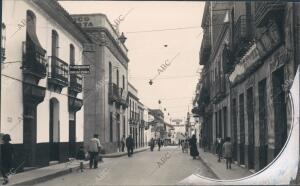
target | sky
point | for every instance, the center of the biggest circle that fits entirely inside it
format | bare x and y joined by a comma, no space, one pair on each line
175,85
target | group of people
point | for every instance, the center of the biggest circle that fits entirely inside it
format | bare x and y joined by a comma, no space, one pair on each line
153,142
224,148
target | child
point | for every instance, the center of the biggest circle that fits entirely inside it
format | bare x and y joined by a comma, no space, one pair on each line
81,156
227,149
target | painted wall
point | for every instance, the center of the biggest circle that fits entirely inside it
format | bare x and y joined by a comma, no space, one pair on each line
12,103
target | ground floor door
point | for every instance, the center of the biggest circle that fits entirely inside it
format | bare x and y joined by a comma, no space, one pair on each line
54,130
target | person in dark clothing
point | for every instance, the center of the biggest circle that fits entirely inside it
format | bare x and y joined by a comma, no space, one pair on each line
159,143
193,147
81,156
123,141
129,145
7,154
152,144
219,147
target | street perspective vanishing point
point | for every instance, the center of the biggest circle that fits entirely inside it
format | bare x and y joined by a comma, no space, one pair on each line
149,93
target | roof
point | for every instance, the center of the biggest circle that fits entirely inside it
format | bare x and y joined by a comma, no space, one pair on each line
63,18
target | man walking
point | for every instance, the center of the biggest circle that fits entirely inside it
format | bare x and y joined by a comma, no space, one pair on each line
159,143
94,149
129,145
219,147
227,149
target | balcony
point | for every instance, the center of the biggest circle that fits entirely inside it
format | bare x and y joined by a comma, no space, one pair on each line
59,73
123,97
118,95
264,10
113,92
34,63
241,35
33,94
75,83
2,54
75,104
205,49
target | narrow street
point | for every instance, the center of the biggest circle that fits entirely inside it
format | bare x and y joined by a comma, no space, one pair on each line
141,169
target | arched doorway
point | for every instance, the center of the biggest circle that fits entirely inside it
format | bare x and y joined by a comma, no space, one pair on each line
54,130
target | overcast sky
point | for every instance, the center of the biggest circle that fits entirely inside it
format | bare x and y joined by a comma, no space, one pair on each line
175,87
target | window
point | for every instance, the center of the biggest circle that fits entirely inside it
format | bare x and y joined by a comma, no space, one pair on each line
72,55
110,71
117,78
55,46
123,81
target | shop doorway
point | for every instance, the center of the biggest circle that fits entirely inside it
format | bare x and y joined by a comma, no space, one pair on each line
279,110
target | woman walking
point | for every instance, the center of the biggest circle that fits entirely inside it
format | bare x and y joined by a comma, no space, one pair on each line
193,147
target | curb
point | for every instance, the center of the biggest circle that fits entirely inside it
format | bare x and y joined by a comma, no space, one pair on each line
208,167
66,171
122,154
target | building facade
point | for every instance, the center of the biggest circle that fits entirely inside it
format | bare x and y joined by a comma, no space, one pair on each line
42,106
248,54
136,122
106,88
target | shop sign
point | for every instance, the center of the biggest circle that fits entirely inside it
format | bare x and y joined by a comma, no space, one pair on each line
83,21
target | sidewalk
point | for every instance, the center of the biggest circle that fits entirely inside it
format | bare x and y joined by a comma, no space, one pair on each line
219,168
46,173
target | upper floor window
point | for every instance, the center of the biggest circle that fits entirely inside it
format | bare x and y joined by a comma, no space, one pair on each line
117,78
55,46
31,37
110,71
123,81
72,54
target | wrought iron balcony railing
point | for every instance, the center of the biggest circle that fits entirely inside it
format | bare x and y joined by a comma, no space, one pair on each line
266,9
2,54
76,82
33,62
59,70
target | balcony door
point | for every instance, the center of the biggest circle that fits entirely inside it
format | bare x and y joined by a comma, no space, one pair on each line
54,130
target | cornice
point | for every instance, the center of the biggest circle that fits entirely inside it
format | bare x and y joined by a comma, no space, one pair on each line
103,37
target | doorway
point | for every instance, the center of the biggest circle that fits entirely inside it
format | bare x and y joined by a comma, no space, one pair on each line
279,110
54,130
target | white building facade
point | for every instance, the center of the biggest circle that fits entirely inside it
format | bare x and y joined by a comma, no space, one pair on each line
42,106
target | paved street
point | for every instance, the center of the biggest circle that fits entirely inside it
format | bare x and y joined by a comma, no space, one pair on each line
145,168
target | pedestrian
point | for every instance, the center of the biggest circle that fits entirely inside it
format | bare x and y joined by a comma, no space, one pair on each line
152,144
204,143
81,157
159,144
227,149
7,156
193,147
94,149
219,147
123,141
129,145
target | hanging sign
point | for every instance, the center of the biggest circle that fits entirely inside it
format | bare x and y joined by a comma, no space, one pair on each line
79,69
